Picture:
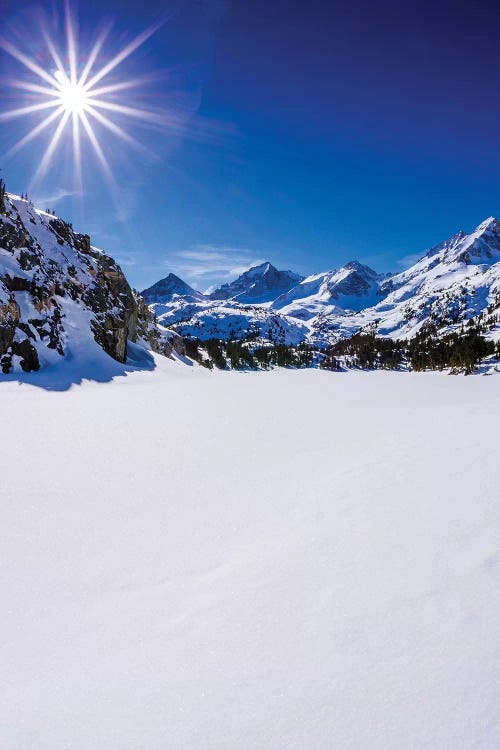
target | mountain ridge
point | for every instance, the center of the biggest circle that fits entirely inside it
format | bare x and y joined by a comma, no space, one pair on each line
451,282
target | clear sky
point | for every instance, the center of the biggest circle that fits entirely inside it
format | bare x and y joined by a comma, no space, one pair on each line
305,133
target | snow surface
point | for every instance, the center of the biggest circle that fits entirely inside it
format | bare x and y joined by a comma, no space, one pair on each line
290,559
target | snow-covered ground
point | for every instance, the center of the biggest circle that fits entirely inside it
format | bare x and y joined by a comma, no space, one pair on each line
292,559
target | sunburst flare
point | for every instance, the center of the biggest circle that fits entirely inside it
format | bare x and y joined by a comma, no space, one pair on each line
74,97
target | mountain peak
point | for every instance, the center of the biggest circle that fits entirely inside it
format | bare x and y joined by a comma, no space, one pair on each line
355,265
259,270
491,223
164,289
259,284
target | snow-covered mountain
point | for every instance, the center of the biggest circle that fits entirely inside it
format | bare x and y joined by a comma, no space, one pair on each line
453,282
236,310
170,288
351,288
257,285
457,280
61,298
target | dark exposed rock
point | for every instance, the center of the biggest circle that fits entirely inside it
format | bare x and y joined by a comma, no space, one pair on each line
115,307
9,320
28,354
171,342
157,338
17,283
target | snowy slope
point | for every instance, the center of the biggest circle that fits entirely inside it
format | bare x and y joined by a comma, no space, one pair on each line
352,287
279,560
60,297
227,312
452,282
232,320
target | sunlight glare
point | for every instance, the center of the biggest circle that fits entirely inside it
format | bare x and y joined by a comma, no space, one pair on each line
73,94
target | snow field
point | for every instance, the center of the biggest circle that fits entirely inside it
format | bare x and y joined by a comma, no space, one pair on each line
292,559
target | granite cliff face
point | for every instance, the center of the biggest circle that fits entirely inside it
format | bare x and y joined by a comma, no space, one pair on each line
59,296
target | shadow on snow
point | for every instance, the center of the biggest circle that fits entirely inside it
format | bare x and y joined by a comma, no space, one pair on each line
99,367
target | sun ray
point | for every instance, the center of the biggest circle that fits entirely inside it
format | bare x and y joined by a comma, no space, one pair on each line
34,133
34,88
96,146
42,168
71,42
54,54
77,154
142,114
27,62
71,93
11,114
113,88
117,130
94,53
125,52
103,163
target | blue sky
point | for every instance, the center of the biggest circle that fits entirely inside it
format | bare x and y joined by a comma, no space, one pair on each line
310,133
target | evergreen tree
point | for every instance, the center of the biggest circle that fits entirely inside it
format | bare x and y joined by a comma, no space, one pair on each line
2,195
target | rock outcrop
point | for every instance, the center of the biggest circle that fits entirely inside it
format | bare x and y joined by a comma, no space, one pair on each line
60,296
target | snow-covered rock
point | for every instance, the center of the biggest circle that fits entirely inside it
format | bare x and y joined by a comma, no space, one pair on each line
240,309
62,298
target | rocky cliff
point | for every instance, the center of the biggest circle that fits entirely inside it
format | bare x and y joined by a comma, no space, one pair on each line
59,296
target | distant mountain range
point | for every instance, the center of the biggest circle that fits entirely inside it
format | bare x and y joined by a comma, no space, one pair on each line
257,285
453,282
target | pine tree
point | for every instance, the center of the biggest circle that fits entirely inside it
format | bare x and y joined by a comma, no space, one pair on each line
2,196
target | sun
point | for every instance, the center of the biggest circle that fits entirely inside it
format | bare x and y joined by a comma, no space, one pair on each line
73,97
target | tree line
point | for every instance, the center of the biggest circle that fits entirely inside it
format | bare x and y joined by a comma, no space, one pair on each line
246,354
460,351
